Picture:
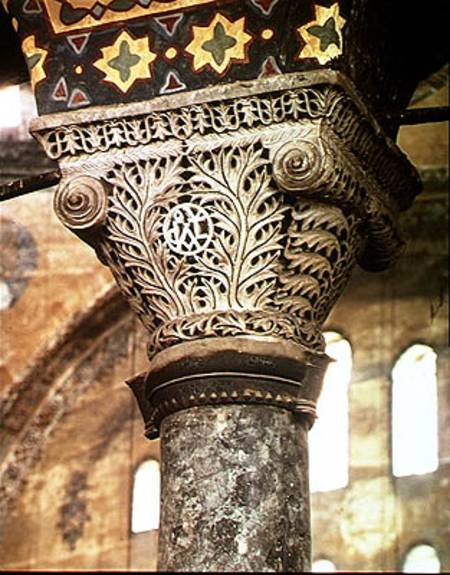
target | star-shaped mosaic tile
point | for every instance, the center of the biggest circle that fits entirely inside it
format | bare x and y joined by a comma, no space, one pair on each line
127,60
323,36
219,44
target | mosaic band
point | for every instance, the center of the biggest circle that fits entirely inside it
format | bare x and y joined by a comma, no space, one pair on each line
133,50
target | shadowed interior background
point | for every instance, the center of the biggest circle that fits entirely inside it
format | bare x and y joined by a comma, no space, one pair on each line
79,484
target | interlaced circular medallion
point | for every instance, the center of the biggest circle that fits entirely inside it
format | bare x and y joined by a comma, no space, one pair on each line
188,229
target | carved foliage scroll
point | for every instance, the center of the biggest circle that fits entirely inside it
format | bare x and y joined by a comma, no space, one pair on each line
237,218
214,249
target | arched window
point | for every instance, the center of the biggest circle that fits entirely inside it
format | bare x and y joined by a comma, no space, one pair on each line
323,566
145,501
414,412
422,559
328,439
10,107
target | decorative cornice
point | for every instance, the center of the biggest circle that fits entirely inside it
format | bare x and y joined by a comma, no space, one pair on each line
213,93
227,370
227,109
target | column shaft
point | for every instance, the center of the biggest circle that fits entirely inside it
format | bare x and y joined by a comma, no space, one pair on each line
235,493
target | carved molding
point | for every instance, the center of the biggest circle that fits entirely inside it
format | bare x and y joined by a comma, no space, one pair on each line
257,371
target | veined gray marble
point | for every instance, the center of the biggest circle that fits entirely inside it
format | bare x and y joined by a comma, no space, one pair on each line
235,493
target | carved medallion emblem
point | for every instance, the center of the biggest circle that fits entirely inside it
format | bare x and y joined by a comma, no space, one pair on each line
188,229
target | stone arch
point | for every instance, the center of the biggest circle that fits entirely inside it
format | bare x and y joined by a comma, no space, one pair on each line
36,404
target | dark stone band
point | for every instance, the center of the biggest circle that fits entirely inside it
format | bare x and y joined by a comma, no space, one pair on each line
263,364
227,388
229,377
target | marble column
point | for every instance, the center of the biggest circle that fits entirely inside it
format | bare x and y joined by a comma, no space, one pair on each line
231,219
221,162
235,493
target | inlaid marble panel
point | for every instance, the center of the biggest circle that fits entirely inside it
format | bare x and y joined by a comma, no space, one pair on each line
88,52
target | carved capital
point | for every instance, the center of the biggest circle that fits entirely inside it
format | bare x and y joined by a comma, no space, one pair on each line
304,165
81,203
234,218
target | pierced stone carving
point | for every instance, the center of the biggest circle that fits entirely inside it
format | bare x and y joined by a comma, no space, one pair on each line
188,229
235,218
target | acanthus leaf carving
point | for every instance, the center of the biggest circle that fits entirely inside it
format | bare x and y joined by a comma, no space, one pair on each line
244,216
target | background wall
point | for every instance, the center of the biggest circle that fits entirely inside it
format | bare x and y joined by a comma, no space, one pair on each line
70,434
